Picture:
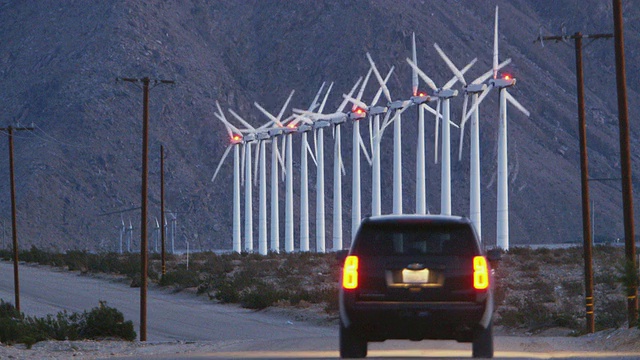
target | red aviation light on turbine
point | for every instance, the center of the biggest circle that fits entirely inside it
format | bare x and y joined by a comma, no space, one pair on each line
506,77
358,113
236,139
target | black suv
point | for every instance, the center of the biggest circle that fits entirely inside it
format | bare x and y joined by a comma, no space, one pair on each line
416,277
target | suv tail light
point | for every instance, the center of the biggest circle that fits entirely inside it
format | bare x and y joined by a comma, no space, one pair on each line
350,272
480,273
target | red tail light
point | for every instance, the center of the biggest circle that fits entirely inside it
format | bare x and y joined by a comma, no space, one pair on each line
480,273
350,273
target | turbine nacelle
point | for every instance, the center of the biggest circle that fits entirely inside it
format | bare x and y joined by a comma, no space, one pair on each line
275,132
290,128
505,82
304,128
321,123
249,137
475,88
445,93
377,110
263,135
420,98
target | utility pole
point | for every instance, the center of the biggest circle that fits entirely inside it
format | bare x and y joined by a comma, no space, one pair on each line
584,170
625,162
14,221
146,82
162,216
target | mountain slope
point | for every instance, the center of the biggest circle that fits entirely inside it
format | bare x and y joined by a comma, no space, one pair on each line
59,62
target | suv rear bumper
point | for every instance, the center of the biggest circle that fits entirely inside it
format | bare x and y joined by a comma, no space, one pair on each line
379,321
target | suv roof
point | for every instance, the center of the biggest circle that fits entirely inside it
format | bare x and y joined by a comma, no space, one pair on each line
411,218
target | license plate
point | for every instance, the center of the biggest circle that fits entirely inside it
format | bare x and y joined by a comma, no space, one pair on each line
415,276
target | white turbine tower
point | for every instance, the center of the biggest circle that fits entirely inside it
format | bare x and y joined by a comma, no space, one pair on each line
357,143
336,119
304,129
444,95
252,134
502,225
374,113
236,140
275,159
474,89
397,107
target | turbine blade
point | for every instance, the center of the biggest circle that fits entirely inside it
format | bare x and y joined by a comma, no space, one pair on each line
345,101
435,140
313,156
324,101
422,75
495,46
515,103
284,107
455,78
242,162
224,156
315,103
356,102
482,78
315,143
267,114
475,106
386,79
242,121
364,149
256,162
371,134
450,64
364,85
379,77
462,122
414,73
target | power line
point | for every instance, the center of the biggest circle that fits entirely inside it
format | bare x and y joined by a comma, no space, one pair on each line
584,167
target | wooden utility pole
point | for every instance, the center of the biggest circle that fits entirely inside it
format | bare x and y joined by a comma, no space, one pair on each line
14,221
164,227
625,163
584,170
144,256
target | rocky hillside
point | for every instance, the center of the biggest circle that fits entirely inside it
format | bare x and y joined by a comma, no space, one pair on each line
59,62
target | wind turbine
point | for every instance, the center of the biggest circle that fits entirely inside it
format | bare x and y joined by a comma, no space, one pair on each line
123,231
444,95
304,129
275,216
357,143
502,225
336,119
261,135
474,89
252,134
397,107
236,141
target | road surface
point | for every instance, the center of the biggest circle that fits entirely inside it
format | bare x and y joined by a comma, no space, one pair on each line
186,326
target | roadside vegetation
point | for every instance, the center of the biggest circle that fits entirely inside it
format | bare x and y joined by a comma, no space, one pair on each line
102,322
536,289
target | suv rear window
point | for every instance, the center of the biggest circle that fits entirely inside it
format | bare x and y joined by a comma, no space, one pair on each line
415,239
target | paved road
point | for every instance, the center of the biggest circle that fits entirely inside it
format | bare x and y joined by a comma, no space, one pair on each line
169,316
230,332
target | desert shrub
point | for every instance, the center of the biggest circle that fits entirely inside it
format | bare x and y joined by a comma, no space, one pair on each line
100,322
261,296
180,278
106,322
226,292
